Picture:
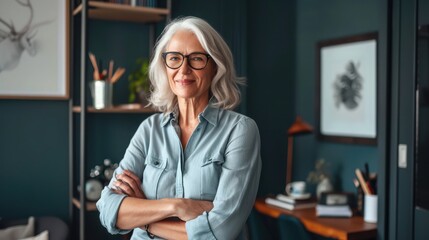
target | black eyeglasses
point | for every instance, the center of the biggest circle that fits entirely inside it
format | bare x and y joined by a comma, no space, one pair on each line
196,60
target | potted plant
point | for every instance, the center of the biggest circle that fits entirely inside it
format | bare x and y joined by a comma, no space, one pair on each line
139,84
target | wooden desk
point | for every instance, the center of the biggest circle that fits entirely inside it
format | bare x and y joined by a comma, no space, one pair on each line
340,228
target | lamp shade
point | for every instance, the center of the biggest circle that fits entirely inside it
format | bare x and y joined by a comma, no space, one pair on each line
299,127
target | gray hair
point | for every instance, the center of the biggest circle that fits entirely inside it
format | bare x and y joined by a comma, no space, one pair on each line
224,86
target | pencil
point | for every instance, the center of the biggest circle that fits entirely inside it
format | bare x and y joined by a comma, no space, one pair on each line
362,182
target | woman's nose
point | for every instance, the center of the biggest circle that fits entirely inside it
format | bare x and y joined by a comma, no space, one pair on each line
185,68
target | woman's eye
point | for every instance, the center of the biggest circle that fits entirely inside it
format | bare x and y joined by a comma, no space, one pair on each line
174,59
197,59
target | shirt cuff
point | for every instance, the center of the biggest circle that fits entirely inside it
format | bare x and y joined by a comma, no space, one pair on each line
199,228
109,213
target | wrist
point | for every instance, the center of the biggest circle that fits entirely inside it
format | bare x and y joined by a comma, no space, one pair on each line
172,206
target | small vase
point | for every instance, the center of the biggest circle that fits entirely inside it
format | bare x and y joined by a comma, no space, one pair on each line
324,186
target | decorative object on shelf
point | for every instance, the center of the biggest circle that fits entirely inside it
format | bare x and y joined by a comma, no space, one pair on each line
99,177
102,86
139,83
348,89
108,170
93,188
297,128
34,55
101,92
94,185
105,74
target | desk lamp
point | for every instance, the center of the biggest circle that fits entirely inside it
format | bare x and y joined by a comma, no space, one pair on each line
297,128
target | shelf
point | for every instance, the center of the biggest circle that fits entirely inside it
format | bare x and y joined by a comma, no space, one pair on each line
123,108
90,206
123,12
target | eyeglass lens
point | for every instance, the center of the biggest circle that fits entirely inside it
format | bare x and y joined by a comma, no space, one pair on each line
196,61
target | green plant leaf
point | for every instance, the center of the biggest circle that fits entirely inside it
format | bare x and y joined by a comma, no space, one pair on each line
139,79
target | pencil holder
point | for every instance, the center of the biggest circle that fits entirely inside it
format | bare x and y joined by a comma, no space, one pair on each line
101,94
370,208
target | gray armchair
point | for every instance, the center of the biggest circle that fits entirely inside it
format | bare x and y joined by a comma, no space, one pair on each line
57,228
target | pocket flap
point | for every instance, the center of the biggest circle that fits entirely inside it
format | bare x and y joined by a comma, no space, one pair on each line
155,162
217,159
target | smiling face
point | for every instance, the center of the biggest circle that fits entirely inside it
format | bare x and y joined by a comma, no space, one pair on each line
186,82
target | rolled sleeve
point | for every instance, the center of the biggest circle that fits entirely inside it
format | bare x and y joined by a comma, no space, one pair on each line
237,189
199,227
108,206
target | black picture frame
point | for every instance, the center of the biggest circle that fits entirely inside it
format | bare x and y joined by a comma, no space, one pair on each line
347,89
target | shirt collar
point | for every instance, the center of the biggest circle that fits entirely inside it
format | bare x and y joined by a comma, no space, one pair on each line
210,114
170,116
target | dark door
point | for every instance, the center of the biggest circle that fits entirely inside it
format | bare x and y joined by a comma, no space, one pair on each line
409,169
421,166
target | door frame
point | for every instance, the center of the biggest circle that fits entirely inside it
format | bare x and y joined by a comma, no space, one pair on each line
402,119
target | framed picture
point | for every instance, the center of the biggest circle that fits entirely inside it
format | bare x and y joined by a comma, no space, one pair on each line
347,88
34,49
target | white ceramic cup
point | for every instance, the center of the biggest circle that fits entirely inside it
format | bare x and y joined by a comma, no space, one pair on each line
370,208
296,188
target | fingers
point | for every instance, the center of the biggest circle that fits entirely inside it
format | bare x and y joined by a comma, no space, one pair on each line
132,176
129,184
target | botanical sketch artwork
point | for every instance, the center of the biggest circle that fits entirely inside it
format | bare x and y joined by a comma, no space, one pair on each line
14,41
348,89
33,49
348,86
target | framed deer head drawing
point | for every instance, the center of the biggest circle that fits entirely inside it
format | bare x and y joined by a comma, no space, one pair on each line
34,49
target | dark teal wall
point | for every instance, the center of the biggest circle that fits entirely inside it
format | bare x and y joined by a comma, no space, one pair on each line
33,158
316,21
271,40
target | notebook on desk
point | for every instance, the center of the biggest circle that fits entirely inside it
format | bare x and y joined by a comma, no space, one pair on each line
333,211
290,206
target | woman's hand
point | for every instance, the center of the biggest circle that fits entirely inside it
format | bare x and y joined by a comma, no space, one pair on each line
188,209
129,184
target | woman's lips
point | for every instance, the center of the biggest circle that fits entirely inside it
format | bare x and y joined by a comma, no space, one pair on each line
185,81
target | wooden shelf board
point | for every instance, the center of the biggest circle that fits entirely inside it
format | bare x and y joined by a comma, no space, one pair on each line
123,12
123,108
90,206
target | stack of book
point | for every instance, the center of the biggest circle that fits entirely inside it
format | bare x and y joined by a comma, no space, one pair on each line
291,203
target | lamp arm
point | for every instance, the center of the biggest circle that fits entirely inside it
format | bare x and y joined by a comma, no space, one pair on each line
289,159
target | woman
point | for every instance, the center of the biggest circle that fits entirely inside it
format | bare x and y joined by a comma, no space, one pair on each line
192,171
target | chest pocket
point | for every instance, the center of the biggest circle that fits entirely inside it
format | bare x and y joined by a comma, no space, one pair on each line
211,170
154,169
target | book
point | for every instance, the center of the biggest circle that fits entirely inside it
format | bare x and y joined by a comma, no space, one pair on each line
333,210
294,200
289,206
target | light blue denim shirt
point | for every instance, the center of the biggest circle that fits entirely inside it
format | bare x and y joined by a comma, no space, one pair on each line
220,163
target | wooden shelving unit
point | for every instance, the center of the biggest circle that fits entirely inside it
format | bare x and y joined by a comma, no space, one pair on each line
123,12
90,206
124,108
80,110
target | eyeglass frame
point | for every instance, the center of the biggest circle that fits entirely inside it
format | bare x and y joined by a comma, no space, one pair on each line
164,56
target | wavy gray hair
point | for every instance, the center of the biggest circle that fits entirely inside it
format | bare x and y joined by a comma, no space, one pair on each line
224,86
